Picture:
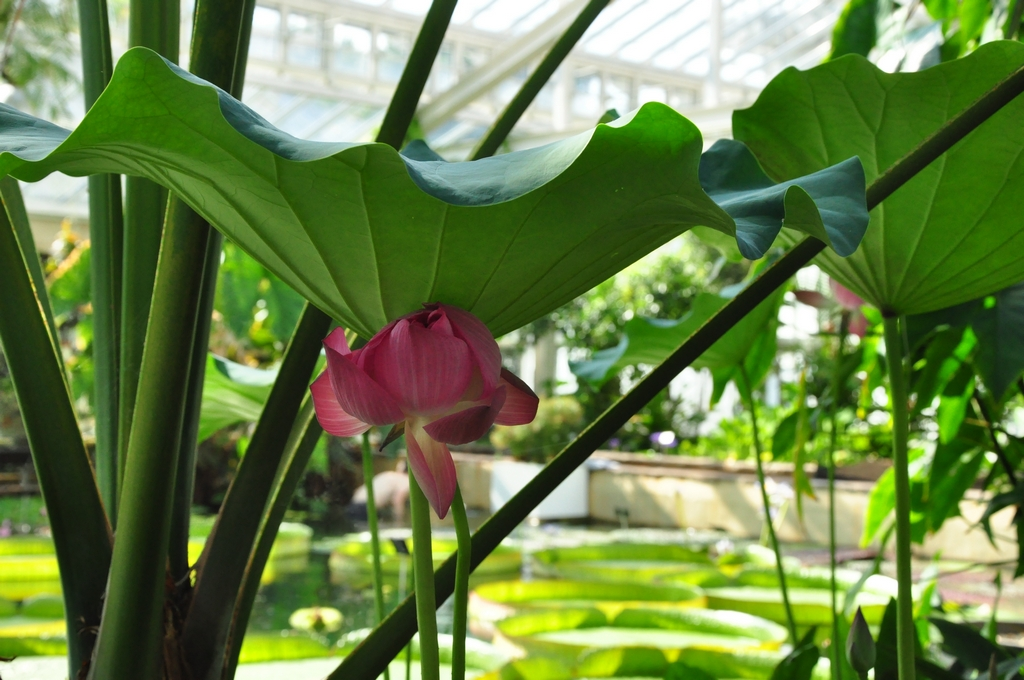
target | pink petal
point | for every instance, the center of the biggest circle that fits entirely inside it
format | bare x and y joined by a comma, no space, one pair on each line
432,466
329,412
469,424
520,402
358,394
812,298
846,298
426,371
858,325
364,355
337,341
481,343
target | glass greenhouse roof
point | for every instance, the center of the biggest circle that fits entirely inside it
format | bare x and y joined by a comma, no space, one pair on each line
325,69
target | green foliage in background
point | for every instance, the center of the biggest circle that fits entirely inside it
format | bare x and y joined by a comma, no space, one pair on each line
256,310
558,421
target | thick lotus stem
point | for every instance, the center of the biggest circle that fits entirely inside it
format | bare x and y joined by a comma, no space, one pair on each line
462,568
423,578
371,519
900,426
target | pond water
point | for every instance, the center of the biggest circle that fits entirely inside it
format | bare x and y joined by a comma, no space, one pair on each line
333,571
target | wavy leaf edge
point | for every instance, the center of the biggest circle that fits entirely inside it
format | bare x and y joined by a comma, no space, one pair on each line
35,152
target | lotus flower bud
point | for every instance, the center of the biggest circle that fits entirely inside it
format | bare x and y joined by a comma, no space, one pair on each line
860,646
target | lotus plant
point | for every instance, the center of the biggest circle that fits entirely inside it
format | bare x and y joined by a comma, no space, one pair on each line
435,374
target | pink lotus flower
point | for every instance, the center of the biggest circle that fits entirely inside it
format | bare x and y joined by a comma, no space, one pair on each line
437,370
851,304
849,301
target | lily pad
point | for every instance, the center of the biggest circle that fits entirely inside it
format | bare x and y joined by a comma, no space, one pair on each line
492,602
817,577
288,555
281,646
565,633
22,590
641,663
629,555
747,664
42,607
702,576
811,606
27,545
351,561
20,636
480,656
368,235
20,568
951,234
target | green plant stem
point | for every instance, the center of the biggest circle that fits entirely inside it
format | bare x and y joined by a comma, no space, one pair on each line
408,645
228,562
132,631
1011,28
371,519
905,630
423,577
154,24
184,479
403,104
747,390
463,558
540,76
14,206
301,441
184,476
374,653
997,448
837,374
81,533
223,564
106,233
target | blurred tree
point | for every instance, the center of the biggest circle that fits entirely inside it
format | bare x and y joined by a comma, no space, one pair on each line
38,53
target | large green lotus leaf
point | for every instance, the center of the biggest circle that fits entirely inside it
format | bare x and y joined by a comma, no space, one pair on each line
650,341
232,393
951,234
999,327
368,234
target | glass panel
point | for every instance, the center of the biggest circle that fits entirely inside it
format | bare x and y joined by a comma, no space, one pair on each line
651,93
444,74
473,57
351,49
617,91
266,33
304,34
586,96
682,99
392,52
